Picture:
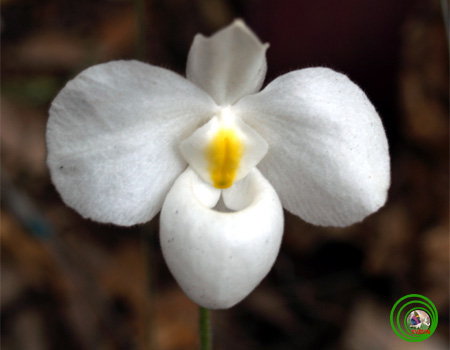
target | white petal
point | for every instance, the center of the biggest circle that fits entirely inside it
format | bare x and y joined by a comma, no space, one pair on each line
219,258
328,154
228,65
113,137
237,157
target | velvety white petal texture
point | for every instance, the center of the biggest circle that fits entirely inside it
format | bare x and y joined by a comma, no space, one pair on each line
219,258
228,65
194,149
328,154
113,137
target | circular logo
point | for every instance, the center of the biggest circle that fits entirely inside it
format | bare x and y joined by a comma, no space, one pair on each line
414,318
418,319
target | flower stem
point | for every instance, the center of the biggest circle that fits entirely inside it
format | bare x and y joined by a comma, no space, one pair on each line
140,45
205,329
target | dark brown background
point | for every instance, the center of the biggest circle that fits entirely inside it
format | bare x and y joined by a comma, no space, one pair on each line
68,283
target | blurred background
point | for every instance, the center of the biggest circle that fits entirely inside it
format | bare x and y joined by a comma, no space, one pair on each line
68,283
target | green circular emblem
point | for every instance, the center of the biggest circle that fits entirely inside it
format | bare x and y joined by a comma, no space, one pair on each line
414,318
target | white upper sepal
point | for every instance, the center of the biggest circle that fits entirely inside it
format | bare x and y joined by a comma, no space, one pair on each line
113,136
328,154
194,149
228,65
219,258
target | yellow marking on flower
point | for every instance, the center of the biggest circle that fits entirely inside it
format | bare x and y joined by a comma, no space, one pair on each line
224,155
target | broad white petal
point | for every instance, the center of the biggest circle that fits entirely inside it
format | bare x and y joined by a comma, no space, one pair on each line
328,154
113,137
228,65
224,150
219,258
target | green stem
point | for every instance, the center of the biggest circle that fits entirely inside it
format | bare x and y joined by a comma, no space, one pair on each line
140,44
205,329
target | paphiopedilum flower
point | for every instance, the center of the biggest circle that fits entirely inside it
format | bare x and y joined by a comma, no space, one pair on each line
218,158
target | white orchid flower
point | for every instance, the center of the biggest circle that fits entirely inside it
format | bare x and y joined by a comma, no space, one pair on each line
127,139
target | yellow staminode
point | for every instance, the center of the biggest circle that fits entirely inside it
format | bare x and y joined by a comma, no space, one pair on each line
224,155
